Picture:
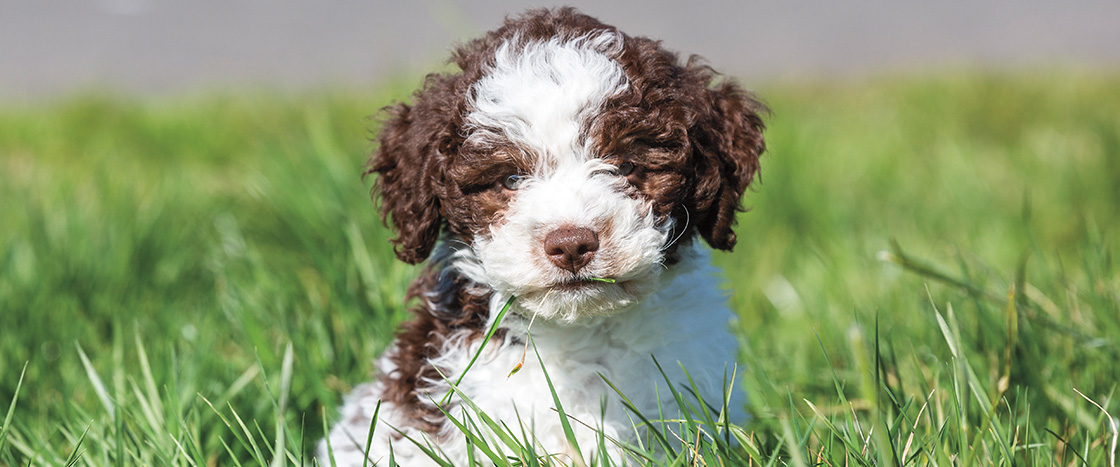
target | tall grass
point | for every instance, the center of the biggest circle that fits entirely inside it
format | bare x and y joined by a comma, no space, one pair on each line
927,275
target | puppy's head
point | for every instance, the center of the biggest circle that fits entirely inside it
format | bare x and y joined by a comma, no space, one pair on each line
562,152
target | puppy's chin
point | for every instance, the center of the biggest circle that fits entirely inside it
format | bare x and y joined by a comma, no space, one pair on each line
576,301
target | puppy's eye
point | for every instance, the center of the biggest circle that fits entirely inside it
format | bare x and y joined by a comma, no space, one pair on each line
625,168
513,182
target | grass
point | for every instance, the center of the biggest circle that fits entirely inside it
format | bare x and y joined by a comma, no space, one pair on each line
927,276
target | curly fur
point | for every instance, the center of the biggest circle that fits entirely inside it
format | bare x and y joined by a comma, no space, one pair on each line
604,134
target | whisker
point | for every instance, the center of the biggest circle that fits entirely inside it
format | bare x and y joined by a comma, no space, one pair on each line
678,234
459,241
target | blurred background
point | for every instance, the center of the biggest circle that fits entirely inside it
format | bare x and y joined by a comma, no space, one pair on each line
163,46
185,235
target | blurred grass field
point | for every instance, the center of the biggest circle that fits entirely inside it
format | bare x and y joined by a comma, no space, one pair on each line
927,275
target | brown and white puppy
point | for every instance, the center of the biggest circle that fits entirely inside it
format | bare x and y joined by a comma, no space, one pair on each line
572,167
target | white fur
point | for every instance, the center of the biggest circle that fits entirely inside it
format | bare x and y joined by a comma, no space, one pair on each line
682,324
582,195
540,94
542,97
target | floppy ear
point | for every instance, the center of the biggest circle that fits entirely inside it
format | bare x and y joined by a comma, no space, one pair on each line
407,161
727,142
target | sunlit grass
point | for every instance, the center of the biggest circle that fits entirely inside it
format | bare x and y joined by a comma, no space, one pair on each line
927,276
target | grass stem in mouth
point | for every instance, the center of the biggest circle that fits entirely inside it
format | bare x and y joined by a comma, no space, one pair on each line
602,279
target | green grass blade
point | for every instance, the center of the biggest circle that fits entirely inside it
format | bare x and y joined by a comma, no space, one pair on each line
327,440
657,434
569,434
426,449
11,408
258,455
369,434
475,439
76,451
279,456
232,455
98,385
496,428
485,340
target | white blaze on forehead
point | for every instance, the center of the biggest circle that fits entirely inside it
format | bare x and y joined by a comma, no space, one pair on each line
540,94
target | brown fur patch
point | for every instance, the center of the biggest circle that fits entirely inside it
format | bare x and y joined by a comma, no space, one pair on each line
449,305
695,141
693,137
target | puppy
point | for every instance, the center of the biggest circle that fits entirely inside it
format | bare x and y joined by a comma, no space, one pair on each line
569,171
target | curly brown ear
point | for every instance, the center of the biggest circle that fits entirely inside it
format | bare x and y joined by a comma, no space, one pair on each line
727,141
405,162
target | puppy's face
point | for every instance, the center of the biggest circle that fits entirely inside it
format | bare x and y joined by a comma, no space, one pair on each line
570,160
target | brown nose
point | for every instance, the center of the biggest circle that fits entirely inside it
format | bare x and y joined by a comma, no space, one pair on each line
571,248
